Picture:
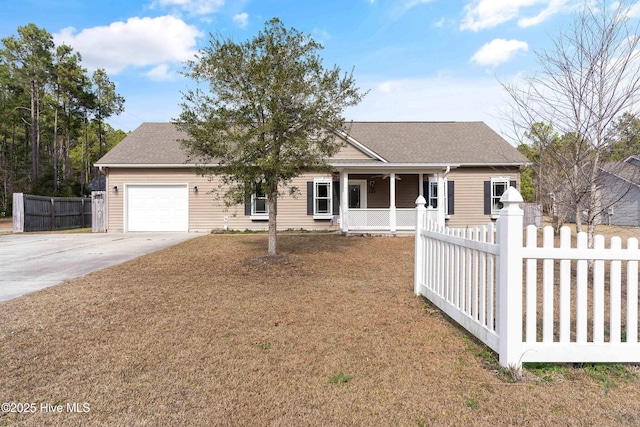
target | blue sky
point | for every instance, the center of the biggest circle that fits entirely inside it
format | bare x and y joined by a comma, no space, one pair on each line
427,60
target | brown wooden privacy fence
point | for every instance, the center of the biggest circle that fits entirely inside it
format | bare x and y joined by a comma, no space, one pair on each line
41,213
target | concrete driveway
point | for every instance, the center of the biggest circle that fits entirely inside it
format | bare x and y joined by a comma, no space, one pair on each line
29,262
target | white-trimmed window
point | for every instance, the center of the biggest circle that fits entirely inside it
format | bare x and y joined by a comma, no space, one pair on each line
433,194
498,188
259,203
322,198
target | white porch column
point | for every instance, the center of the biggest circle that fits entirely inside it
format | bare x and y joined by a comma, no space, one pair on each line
421,184
441,206
344,201
392,202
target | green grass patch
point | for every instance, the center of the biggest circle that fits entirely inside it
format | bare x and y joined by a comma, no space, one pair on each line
547,372
472,403
340,379
609,374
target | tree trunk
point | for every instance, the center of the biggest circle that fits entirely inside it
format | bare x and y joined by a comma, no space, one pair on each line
55,151
577,199
273,197
34,143
99,139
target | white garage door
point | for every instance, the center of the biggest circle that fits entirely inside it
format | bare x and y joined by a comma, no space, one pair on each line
157,207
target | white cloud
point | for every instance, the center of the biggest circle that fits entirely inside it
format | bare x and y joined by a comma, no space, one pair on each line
399,8
554,7
160,73
194,7
242,19
413,3
321,35
634,9
386,87
437,98
498,51
139,42
483,14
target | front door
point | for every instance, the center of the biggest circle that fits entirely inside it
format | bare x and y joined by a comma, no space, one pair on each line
357,194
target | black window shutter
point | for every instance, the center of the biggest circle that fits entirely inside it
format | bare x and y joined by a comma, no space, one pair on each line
247,200
487,197
450,195
425,190
309,197
512,184
336,197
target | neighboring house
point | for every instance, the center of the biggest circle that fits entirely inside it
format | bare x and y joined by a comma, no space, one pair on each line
462,169
620,189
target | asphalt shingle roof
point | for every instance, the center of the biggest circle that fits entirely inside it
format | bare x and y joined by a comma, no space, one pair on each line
470,143
150,143
628,169
435,142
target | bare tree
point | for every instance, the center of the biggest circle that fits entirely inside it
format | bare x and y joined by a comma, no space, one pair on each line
588,79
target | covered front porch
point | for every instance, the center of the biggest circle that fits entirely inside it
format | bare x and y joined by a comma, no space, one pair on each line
384,202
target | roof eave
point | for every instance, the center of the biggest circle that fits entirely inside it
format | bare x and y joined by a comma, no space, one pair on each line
153,165
498,164
392,166
359,165
628,181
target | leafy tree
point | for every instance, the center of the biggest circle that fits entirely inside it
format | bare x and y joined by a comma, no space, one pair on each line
83,155
265,116
626,138
30,57
47,101
67,79
554,158
587,80
107,102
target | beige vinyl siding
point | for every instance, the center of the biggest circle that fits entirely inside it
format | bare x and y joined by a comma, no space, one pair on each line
469,193
407,191
207,211
349,152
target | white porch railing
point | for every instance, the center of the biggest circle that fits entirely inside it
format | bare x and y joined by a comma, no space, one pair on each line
369,219
382,219
406,219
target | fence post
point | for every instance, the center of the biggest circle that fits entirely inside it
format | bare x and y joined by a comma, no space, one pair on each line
510,279
18,212
418,269
53,214
98,215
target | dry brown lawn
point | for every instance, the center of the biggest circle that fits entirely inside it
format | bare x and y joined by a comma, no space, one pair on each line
209,333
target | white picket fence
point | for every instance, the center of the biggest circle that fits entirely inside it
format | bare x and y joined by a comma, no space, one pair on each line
532,303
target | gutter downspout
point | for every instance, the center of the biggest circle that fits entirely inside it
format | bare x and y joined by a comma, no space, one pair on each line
441,214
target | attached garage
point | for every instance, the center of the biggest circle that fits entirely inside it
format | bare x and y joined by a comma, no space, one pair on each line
156,207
